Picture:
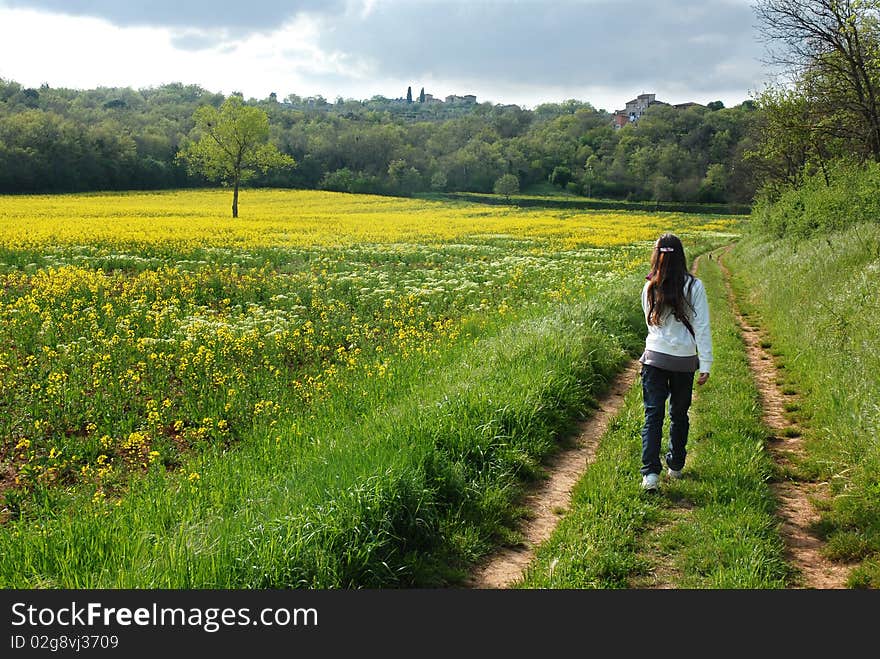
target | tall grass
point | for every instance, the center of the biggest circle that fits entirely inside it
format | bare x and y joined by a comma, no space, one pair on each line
818,299
400,494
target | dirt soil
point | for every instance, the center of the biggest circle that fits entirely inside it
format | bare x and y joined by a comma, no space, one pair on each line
797,514
550,498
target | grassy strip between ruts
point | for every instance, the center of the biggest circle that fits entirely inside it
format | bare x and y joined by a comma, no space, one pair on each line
401,496
715,528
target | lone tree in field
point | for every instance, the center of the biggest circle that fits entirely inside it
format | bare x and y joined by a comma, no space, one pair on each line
507,185
233,145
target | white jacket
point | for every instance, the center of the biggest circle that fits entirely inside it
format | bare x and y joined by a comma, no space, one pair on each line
673,338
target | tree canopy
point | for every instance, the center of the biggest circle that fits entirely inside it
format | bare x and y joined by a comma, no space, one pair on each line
507,185
121,138
817,146
232,145
827,107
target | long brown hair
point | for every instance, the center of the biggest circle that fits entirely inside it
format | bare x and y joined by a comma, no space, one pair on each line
669,274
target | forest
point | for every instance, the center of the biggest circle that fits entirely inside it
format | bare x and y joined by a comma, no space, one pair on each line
67,140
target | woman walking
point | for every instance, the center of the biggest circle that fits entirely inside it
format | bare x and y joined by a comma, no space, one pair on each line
679,343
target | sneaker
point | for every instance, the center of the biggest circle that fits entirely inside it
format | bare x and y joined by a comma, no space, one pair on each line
674,473
650,481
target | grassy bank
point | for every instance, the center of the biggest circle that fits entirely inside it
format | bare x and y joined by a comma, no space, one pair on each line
713,529
831,285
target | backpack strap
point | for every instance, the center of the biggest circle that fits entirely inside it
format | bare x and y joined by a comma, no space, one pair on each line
690,329
684,320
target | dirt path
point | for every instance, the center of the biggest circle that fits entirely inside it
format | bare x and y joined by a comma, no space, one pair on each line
549,499
795,510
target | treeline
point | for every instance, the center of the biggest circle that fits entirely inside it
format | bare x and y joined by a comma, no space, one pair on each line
63,140
54,140
818,154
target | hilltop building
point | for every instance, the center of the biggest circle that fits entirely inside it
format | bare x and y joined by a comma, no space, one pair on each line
636,108
467,98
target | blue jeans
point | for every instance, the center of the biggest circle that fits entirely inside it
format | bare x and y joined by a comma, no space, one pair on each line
658,385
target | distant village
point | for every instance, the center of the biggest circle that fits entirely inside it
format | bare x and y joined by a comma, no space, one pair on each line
629,115
422,97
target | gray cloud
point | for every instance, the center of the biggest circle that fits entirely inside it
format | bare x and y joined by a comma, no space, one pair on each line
237,17
694,46
701,45
196,40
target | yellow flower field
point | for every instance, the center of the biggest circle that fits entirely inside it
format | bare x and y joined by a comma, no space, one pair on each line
165,368
139,326
284,218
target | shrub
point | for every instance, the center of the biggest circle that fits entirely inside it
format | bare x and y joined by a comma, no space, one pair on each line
819,206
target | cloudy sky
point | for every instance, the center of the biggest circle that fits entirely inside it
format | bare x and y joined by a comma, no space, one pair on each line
504,51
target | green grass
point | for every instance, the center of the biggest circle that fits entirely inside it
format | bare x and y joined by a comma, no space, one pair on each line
715,528
408,493
831,284
273,418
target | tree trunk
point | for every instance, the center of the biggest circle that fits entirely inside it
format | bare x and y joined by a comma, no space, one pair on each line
235,200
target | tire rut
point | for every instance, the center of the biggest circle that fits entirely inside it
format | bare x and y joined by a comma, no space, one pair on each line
798,516
546,501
